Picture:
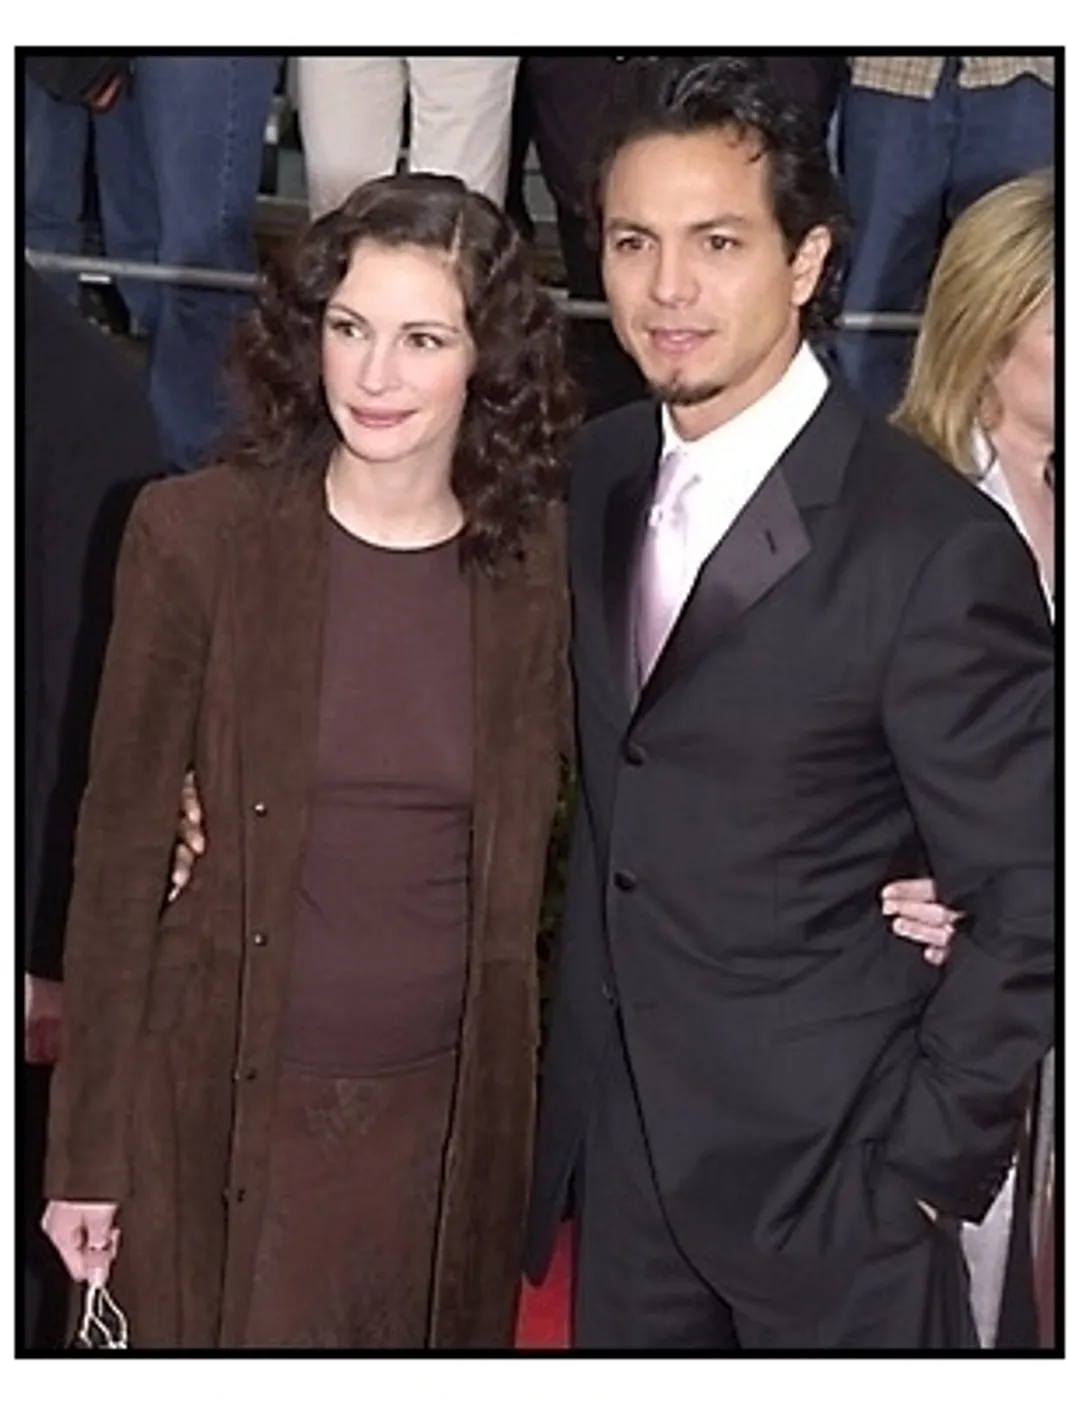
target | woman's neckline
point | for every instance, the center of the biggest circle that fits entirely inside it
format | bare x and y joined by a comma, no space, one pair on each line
431,548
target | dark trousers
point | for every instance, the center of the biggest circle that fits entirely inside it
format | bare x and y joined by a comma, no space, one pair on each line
558,105
910,166
636,1287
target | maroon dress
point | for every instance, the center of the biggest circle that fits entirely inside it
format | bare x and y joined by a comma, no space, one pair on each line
379,961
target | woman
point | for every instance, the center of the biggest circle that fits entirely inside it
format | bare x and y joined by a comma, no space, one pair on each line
981,394
304,1091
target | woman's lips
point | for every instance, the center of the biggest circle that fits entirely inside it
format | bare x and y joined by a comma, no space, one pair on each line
368,418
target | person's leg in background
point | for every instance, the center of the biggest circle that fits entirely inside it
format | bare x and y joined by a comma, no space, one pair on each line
57,145
566,98
350,111
515,199
1003,132
204,121
462,119
895,162
128,199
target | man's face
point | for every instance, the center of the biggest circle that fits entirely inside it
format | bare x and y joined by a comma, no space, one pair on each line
702,291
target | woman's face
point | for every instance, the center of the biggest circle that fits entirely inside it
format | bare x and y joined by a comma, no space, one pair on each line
1023,382
397,355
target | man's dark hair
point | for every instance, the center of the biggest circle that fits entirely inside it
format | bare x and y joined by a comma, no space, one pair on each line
676,96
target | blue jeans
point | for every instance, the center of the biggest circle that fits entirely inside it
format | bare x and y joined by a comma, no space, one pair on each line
178,159
910,166
57,144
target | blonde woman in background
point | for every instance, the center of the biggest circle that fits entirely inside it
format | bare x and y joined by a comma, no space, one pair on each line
981,394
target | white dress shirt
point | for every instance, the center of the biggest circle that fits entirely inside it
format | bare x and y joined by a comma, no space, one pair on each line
732,461
990,478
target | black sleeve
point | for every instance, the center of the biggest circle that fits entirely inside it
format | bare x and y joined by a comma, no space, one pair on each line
969,713
73,78
90,444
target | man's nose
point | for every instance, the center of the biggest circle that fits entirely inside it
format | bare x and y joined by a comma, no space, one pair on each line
674,281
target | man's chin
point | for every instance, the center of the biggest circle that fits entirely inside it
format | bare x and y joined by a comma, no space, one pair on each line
678,394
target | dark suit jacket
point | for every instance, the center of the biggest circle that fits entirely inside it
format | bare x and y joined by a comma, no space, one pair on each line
90,441
861,683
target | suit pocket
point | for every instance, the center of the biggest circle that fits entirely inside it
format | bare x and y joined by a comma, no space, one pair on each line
899,1218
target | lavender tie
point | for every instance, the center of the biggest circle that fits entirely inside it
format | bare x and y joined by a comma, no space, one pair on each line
663,577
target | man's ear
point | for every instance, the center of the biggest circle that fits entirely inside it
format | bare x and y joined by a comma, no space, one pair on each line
808,263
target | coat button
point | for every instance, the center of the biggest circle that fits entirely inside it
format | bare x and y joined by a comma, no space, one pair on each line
623,880
259,809
608,995
259,938
239,1195
634,753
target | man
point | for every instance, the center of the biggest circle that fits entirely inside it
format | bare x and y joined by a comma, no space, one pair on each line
808,659
90,442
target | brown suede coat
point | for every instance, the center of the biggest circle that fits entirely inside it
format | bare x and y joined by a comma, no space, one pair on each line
163,1099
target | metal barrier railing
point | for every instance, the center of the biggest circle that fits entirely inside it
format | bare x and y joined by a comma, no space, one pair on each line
108,269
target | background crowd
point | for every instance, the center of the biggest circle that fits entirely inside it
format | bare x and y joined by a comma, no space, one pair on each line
164,160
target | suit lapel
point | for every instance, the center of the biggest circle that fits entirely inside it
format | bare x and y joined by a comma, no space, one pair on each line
766,542
625,511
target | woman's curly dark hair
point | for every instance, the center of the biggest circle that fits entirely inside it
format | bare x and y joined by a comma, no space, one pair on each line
679,95
522,405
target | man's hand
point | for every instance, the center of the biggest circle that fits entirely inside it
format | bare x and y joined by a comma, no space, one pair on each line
913,906
42,1019
86,1237
191,842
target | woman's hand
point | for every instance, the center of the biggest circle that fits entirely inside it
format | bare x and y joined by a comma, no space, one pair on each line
914,911
191,843
86,1237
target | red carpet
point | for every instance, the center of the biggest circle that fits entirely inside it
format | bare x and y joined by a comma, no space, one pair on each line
545,1312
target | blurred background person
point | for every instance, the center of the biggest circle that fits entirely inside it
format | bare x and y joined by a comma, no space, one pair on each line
921,138
352,121
90,441
980,393
179,157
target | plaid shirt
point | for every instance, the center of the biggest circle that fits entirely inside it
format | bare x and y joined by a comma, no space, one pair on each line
918,76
